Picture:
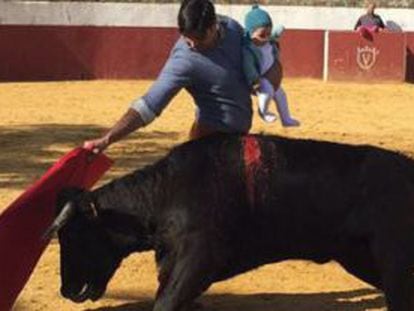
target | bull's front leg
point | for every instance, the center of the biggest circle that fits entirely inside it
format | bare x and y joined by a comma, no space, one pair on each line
399,289
395,259
185,273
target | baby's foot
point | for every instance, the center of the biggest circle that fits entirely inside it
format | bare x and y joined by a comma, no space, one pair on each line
290,122
268,117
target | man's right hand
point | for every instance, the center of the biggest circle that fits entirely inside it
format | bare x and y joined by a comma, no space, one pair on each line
97,145
128,123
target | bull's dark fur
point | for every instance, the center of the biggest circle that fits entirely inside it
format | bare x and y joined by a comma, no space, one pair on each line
311,200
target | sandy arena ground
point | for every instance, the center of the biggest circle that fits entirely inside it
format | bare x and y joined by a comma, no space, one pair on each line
39,122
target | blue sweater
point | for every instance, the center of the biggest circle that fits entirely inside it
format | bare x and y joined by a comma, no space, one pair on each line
214,78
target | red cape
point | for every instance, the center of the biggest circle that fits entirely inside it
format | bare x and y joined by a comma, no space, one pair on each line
24,222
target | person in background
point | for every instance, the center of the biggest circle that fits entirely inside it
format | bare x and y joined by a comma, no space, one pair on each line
261,51
207,62
369,22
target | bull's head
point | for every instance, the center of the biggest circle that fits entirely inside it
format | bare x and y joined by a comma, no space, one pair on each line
88,257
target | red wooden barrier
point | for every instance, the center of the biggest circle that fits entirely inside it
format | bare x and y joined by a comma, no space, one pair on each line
31,53
42,53
353,57
302,53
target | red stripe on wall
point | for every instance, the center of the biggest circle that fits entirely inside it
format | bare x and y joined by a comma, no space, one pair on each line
33,53
47,53
302,53
42,53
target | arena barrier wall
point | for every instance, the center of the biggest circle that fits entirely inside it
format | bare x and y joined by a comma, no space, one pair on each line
410,57
42,53
302,53
67,40
380,57
47,53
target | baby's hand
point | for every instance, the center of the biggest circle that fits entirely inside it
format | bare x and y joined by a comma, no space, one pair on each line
255,87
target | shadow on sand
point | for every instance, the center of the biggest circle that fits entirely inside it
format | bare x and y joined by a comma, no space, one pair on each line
28,151
354,300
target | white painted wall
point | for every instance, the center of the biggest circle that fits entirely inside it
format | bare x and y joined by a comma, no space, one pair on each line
84,13
164,15
332,18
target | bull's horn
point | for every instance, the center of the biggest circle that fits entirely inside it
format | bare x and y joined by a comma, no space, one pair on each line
67,212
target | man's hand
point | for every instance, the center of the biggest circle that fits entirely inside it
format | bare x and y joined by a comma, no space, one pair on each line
128,123
97,145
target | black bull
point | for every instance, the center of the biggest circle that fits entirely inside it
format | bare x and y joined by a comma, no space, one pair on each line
223,205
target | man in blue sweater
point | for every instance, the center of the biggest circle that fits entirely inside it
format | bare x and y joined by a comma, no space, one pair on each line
206,61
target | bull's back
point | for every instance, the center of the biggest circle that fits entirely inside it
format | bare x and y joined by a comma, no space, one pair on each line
304,197
290,198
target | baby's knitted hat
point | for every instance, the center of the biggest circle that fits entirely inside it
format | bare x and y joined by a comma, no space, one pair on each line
256,18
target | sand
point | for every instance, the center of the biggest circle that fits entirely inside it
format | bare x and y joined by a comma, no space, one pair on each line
39,122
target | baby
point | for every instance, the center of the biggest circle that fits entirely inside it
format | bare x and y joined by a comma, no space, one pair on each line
260,52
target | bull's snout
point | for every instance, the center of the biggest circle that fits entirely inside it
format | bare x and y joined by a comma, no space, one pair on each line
75,293
81,294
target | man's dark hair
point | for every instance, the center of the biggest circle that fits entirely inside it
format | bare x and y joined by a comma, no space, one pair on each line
195,17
